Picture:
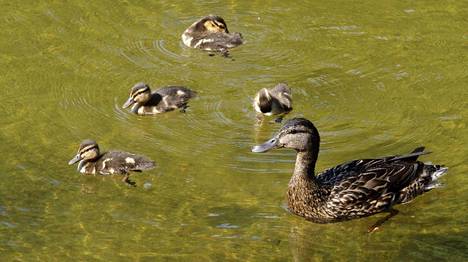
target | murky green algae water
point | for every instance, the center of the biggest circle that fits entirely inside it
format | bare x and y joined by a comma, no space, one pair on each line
377,78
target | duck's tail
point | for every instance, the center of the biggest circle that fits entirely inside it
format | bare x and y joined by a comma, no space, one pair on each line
413,156
436,172
426,180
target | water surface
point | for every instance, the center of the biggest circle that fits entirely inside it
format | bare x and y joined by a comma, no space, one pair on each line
377,78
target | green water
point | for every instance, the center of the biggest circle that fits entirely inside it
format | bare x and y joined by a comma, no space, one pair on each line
376,77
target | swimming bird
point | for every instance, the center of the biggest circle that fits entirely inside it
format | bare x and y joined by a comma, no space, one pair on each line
351,190
162,100
210,33
92,161
273,101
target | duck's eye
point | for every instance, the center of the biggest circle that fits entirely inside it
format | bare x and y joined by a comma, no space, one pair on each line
292,132
220,25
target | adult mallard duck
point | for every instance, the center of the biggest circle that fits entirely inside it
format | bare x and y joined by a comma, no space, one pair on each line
210,33
113,162
162,100
351,190
273,101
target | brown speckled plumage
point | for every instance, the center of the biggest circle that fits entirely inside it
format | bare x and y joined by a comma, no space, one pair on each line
92,161
162,100
354,189
210,33
115,162
273,101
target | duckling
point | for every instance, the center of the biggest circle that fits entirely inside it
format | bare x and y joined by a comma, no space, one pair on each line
210,33
351,190
108,163
162,100
273,101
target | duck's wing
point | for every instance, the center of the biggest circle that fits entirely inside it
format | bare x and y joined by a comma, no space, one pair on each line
339,172
123,162
176,90
175,96
367,186
283,95
219,41
154,100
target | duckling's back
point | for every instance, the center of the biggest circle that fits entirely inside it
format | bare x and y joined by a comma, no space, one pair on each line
219,41
179,91
174,97
117,162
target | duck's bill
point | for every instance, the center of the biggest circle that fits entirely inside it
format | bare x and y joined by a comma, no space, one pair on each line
74,160
270,144
128,103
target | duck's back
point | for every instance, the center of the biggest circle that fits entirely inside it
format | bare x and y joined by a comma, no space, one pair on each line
175,96
281,95
117,162
179,91
165,99
365,187
218,41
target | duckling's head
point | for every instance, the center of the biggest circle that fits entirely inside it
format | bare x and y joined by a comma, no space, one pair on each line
88,150
298,133
140,93
211,24
262,102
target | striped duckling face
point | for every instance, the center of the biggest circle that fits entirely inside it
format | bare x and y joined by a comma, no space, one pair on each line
140,93
212,24
88,150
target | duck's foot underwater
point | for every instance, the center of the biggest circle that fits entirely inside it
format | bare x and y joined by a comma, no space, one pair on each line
259,118
379,223
184,109
223,52
279,119
126,180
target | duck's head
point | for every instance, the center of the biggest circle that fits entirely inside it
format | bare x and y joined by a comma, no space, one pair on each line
298,133
263,101
140,93
88,150
211,24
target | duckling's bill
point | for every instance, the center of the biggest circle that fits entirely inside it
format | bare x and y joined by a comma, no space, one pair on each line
75,159
268,145
129,102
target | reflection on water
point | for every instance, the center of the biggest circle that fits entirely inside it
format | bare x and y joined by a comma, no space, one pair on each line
376,79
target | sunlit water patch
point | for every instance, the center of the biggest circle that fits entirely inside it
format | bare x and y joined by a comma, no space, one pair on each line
376,78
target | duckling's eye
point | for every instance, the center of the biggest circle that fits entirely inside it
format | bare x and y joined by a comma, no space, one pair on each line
87,150
139,93
220,25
